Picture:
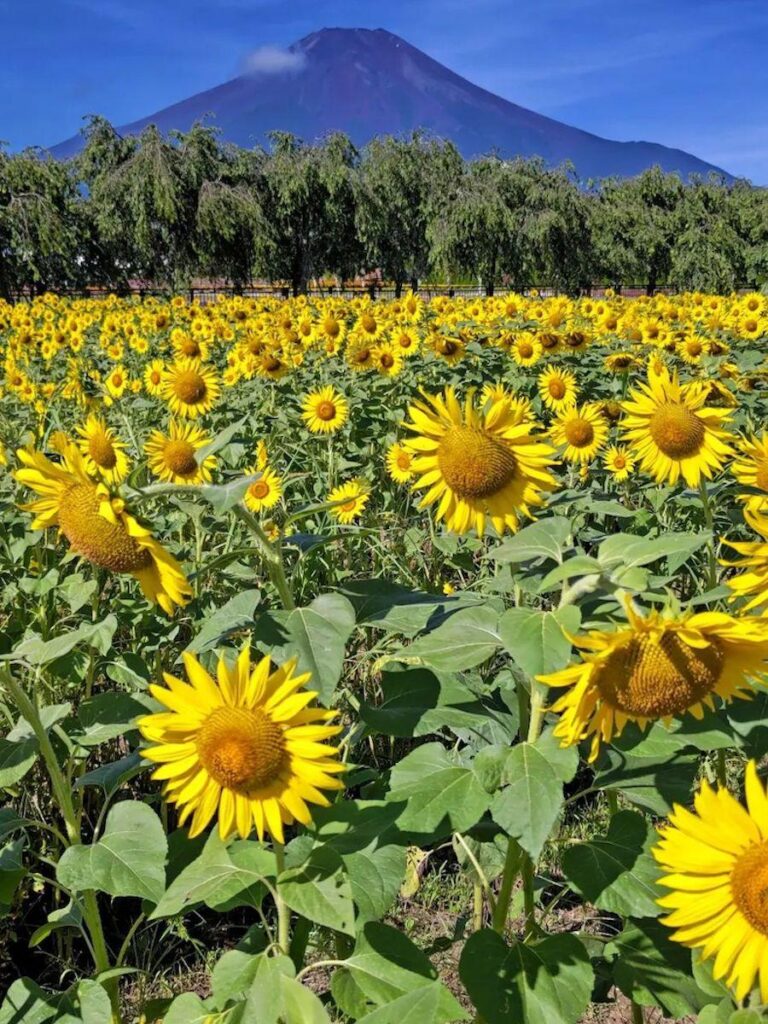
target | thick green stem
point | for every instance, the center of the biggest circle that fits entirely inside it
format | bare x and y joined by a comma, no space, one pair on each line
538,707
510,873
638,1017
709,519
477,906
613,801
283,913
273,557
722,769
63,796
528,873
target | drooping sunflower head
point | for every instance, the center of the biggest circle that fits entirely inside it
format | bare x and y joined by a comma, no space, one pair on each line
658,667
98,527
581,433
325,411
557,388
750,467
190,388
672,432
715,864
173,456
102,451
248,747
477,464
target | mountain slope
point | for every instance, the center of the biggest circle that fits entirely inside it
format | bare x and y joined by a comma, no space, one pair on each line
370,82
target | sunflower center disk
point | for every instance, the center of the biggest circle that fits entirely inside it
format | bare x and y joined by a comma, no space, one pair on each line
241,749
102,452
190,387
749,885
95,538
677,431
325,410
179,457
579,433
474,464
259,489
653,677
556,388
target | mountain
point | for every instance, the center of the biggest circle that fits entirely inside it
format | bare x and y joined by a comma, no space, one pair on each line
370,82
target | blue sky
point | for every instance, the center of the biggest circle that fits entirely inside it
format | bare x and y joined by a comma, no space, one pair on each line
686,73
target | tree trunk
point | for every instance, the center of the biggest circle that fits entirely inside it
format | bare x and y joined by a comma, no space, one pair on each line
398,289
414,284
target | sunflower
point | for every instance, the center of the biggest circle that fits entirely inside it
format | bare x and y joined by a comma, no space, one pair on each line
620,362
399,463
154,373
349,500
580,432
657,667
173,456
751,469
406,340
618,462
526,349
102,451
190,388
116,382
247,746
557,388
325,411
715,864
97,526
264,492
386,359
477,464
672,432
359,355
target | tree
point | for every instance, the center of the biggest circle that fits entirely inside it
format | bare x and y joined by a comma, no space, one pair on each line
399,183
708,254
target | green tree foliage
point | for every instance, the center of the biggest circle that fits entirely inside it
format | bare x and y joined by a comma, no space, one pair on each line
167,209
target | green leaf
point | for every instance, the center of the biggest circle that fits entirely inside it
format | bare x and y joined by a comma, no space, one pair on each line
462,640
12,871
275,997
546,982
10,821
319,890
223,497
536,640
579,565
546,538
77,591
237,614
399,609
35,651
106,716
648,783
616,872
420,1006
15,760
209,876
624,551
26,1003
63,917
441,795
128,860
187,1008
112,775
528,807
319,635
652,970
95,1007
385,965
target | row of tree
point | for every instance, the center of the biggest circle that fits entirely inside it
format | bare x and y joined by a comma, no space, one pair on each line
169,209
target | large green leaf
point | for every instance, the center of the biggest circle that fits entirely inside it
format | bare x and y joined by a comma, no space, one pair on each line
275,997
385,965
537,640
15,760
399,609
420,1006
528,806
318,636
188,1008
654,785
441,794
547,538
214,877
616,872
652,970
622,552
235,615
104,717
462,640
36,651
12,871
128,860
546,982
319,890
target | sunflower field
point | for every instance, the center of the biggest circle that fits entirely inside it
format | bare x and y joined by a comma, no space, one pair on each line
384,662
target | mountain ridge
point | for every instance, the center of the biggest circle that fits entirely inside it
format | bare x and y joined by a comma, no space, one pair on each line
368,82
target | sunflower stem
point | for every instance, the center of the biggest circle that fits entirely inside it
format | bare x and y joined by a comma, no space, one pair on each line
63,797
273,557
512,864
722,769
283,913
709,519
528,873
638,1017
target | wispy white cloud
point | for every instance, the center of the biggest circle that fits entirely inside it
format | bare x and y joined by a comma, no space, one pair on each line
271,60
